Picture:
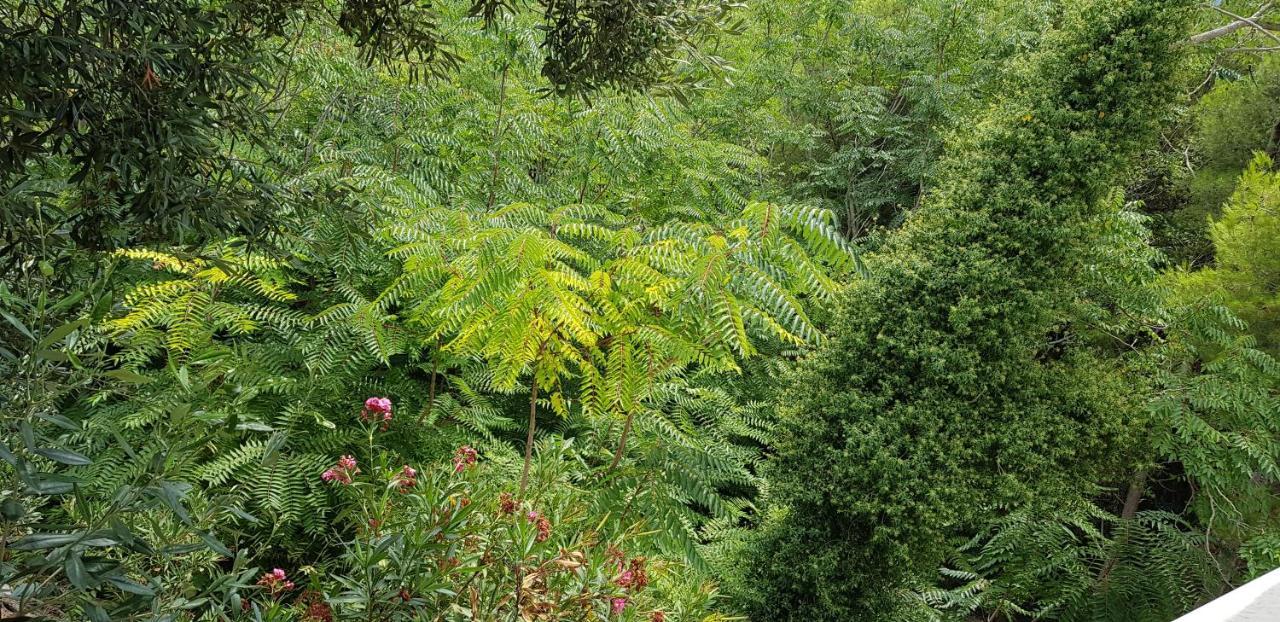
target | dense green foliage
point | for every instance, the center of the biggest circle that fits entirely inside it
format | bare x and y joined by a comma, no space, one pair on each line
960,377
687,311
1247,266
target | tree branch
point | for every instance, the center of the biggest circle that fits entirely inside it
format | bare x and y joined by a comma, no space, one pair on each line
1240,22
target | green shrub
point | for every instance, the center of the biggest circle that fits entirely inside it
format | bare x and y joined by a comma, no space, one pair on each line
961,377
1247,275
455,542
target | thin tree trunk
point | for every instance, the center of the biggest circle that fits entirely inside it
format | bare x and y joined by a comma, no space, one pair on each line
497,133
631,412
622,443
1274,149
1130,509
431,389
1131,500
528,442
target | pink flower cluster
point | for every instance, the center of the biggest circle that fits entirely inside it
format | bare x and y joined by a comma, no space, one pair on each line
342,472
634,577
275,582
463,458
507,503
377,409
406,479
543,525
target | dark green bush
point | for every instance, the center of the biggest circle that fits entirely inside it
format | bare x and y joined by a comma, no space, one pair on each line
957,379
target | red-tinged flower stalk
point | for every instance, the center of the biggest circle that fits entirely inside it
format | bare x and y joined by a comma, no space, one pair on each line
275,582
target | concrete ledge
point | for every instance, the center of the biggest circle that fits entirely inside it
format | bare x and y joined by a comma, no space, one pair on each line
1255,601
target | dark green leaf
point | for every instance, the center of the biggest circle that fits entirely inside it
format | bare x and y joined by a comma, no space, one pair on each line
17,324
243,514
60,421
38,541
76,572
125,585
59,333
11,509
171,493
96,613
64,456
216,546
124,375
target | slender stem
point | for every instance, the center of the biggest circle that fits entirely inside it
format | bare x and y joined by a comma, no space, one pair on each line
622,442
631,412
519,586
528,442
497,133
431,389
622,518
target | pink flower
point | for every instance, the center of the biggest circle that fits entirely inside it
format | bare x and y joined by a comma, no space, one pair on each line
618,605
637,578
275,582
407,478
463,458
341,472
543,525
377,409
658,616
